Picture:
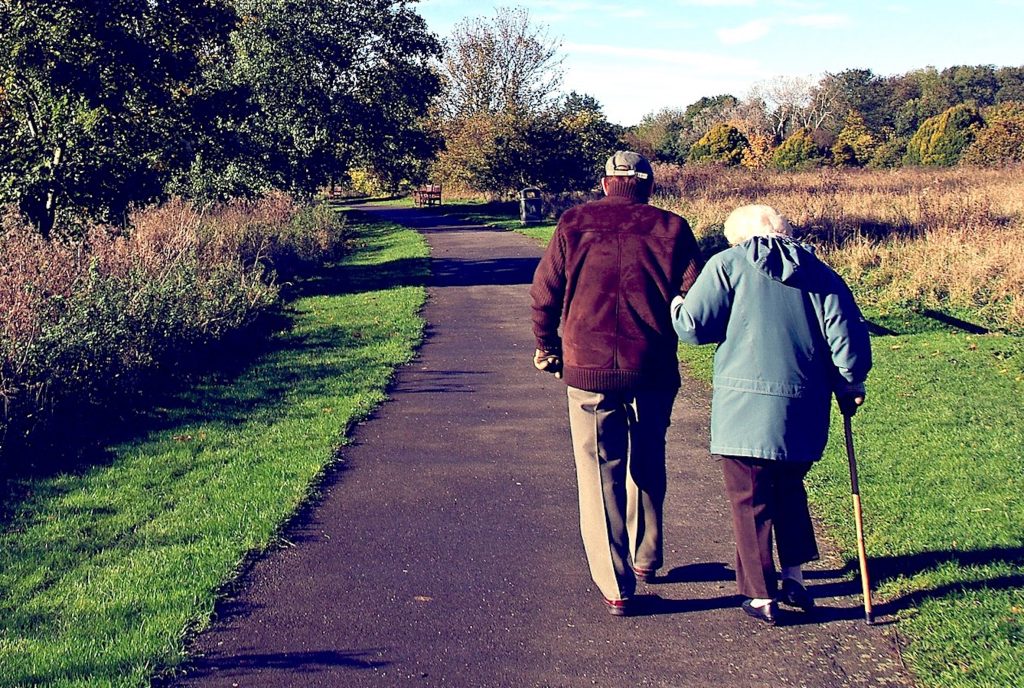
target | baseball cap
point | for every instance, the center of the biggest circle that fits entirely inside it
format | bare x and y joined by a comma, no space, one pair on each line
628,164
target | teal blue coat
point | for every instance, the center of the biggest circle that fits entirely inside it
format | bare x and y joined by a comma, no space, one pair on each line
789,334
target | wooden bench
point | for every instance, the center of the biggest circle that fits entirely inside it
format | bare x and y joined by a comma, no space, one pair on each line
428,194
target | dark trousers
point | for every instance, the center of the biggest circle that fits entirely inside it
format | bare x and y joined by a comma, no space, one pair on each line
767,498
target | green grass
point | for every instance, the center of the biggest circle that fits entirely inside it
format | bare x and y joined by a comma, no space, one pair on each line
105,573
940,454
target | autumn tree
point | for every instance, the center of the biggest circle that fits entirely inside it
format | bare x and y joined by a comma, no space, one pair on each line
504,123
1001,140
855,144
798,151
942,139
503,65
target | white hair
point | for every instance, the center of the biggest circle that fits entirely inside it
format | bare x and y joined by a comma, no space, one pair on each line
749,221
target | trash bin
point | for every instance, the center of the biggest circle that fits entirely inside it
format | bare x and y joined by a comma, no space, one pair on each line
531,206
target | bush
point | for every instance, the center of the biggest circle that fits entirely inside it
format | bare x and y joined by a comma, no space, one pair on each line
889,154
85,325
723,144
855,144
759,153
941,140
798,152
1001,141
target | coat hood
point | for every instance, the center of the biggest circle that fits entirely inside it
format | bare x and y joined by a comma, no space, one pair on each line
778,257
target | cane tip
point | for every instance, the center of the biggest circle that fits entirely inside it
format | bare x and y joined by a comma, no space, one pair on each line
869,619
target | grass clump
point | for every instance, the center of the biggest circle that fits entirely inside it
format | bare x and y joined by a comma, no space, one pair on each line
104,573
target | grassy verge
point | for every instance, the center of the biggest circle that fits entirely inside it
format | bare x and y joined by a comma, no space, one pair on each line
940,447
105,573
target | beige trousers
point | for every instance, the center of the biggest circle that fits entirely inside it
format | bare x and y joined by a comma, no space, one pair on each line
618,441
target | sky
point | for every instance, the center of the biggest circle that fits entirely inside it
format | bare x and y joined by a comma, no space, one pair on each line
639,57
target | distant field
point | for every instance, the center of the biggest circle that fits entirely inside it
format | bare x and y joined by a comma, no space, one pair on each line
941,440
947,239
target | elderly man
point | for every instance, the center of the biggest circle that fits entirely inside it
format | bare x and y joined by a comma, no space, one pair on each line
607,278
789,336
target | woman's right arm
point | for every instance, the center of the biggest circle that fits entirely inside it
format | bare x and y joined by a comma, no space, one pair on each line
702,317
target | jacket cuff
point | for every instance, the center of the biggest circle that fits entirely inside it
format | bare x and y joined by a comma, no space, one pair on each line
850,389
550,346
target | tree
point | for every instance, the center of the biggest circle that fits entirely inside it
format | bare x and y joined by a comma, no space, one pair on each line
797,152
502,65
942,139
657,135
784,100
724,144
1001,140
759,153
855,144
333,83
592,138
1011,84
503,122
975,84
95,95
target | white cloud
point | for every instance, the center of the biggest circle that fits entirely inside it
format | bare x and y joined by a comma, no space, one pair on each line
820,21
759,28
627,13
745,33
632,82
799,5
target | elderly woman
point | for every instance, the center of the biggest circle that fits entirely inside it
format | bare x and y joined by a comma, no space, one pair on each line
789,336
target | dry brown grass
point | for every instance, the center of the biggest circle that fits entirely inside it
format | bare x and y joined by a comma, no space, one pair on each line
951,238
88,322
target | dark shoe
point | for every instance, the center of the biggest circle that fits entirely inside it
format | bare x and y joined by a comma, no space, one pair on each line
767,613
645,575
796,595
622,607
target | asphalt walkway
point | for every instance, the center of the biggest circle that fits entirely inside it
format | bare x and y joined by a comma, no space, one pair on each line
446,551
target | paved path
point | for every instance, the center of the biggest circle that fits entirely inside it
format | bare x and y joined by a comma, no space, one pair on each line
447,551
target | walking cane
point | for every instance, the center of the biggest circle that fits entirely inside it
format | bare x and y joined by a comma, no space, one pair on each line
859,519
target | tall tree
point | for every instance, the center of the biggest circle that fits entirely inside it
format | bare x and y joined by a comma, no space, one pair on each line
500,112
332,82
786,102
505,65
94,96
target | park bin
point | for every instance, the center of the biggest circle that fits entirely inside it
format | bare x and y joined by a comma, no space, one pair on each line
531,206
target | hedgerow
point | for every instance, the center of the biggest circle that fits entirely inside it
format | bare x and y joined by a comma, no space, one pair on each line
86,327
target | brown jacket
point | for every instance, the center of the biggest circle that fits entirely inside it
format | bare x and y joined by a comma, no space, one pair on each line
607,278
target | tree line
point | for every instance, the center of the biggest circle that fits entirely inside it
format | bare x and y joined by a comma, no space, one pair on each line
109,105
853,118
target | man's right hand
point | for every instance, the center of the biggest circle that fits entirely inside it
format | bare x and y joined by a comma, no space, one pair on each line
548,361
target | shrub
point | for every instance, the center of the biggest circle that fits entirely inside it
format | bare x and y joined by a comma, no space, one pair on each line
85,325
798,152
889,154
855,144
941,140
1001,140
759,153
723,144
